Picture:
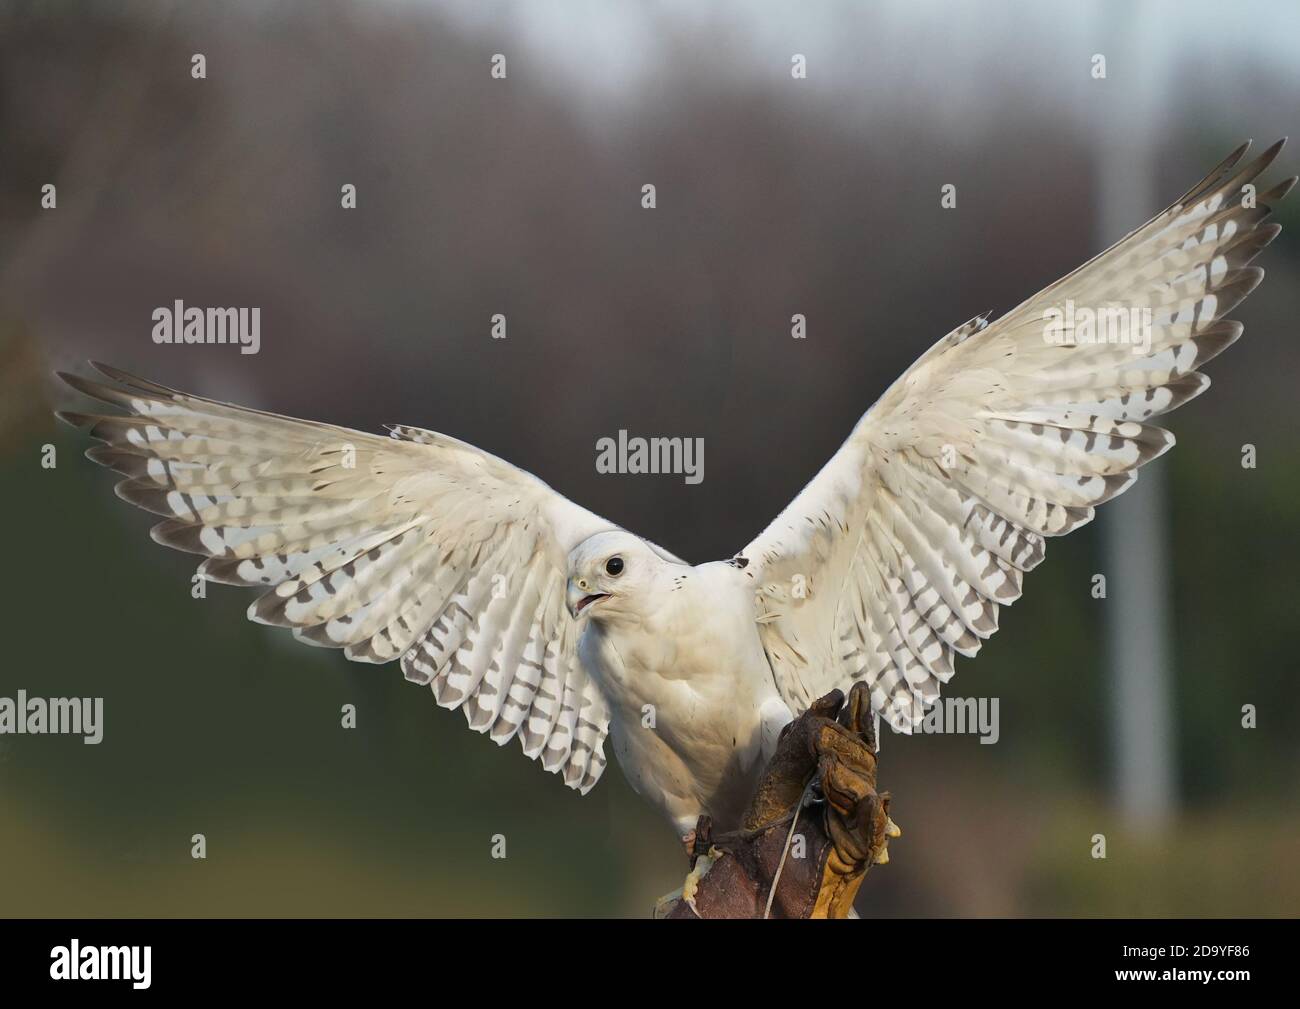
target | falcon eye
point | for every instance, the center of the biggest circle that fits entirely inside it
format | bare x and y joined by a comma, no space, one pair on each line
614,566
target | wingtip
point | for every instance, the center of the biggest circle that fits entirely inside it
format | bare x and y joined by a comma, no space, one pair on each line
107,370
1280,191
1231,160
1270,154
133,382
74,418
78,382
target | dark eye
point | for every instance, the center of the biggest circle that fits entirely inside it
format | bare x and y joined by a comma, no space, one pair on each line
614,566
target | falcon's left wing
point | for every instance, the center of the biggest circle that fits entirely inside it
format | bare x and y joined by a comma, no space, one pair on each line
897,555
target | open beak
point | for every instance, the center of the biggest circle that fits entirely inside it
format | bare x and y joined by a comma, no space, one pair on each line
578,599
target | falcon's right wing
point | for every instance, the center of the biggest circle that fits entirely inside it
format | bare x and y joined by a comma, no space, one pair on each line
418,547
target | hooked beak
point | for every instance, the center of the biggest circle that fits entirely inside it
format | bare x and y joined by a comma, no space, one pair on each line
581,595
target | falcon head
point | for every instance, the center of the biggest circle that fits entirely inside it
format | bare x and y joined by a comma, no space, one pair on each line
608,573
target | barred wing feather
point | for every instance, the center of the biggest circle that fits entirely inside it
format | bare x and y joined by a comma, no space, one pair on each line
897,556
415,547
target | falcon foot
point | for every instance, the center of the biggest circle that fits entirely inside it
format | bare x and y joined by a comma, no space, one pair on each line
791,858
698,842
892,832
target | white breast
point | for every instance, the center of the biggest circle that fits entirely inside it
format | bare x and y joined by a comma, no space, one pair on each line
689,688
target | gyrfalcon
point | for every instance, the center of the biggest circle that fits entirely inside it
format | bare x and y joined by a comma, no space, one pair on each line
544,622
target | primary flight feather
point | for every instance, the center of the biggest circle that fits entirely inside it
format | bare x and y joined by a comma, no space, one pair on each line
544,622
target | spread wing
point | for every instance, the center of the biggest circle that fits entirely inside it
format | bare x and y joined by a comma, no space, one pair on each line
417,547
897,555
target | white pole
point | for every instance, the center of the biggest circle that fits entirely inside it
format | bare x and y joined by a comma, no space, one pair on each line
1134,526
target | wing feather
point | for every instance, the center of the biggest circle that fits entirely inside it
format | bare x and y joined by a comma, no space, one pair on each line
900,552
415,547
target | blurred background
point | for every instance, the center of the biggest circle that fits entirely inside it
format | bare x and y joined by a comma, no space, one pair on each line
522,196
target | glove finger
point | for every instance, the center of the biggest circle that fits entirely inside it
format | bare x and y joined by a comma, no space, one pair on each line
833,738
843,786
856,715
828,705
852,834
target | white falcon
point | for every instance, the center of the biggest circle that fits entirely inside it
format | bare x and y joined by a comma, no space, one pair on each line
546,623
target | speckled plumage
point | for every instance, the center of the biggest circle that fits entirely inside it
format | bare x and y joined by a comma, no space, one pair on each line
495,591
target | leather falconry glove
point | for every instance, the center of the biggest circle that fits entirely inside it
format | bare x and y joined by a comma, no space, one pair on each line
822,783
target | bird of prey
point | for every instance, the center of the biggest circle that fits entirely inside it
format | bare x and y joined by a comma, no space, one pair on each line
544,622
